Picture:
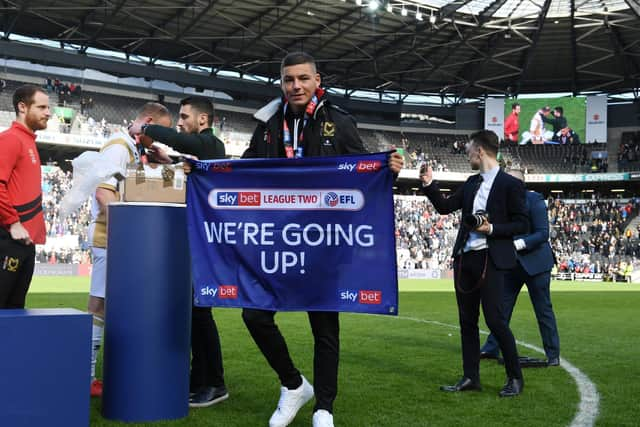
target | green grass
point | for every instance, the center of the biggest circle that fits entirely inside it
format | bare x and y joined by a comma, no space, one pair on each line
390,368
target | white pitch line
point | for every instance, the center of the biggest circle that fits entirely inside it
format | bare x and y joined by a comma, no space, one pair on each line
589,405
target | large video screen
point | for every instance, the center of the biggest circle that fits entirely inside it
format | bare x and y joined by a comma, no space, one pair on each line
546,120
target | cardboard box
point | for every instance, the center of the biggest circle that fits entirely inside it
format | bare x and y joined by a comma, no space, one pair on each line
155,183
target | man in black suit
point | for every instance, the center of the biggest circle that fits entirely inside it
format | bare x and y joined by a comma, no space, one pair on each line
483,253
535,261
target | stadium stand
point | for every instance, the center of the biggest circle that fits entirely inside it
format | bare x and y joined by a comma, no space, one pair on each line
446,152
557,158
587,235
629,151
104,113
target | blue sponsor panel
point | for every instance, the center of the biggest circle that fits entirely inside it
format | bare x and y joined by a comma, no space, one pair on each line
46,370
294,234
148,314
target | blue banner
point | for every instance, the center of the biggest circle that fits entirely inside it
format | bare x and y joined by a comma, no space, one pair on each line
294,234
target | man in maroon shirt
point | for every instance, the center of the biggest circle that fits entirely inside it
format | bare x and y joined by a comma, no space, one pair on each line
21,219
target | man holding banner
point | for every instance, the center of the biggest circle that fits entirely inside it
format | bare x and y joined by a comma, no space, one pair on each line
303,123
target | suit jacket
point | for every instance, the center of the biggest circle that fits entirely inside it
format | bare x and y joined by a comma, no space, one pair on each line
507,209
537,256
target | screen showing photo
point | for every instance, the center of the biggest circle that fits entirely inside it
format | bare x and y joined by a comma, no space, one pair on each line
545,120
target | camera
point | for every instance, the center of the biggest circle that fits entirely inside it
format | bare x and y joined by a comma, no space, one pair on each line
475,219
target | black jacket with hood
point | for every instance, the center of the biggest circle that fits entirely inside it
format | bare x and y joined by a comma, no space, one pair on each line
330,131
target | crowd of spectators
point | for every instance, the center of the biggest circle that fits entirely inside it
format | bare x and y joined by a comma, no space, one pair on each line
592,227
66,91
606,270
423,237
67,238
593,237
586,235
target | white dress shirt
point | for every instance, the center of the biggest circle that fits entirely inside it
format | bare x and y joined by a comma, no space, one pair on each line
478,241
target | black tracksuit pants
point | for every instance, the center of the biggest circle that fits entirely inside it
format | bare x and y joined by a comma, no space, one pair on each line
206,362
326,330
17,262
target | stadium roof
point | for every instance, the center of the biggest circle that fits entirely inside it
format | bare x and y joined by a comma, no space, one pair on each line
455,48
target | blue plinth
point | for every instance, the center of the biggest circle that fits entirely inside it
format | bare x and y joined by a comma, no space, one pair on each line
148,314
45,368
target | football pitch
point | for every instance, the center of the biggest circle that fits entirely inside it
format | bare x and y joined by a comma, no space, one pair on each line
391,367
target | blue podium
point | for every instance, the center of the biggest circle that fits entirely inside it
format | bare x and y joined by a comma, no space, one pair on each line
45,368
147,313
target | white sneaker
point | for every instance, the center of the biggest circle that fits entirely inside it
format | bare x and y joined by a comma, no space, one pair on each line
322,418
290,403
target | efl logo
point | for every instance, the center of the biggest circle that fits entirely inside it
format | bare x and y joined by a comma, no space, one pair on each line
368,166
220,167
370,297
343,200
331,199
228,292
238,198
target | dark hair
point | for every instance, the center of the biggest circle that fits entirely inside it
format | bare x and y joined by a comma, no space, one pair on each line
559,110
486,139
514,105
202,105
25,94
154,110
296,58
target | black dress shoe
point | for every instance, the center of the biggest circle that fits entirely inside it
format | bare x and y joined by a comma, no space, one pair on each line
487,355
208,396
553,361
513,387
465,384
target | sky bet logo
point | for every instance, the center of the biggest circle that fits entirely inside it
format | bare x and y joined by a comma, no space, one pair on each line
238,198
346,167
221,292
221,167
368,166
361,166
362,296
